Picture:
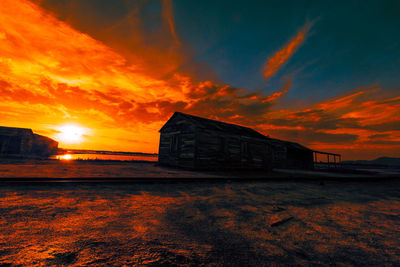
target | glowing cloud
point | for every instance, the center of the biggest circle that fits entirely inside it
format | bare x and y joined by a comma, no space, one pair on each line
168,13
275,62
358,124
51,74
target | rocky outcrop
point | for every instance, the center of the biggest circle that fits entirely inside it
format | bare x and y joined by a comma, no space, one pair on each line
23,142
43,145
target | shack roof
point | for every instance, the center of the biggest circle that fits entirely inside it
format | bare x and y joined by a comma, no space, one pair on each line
288,144
233,129
217,126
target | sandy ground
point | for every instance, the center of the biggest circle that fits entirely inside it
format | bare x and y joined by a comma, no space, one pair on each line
91,169
209,222
18,168
213,224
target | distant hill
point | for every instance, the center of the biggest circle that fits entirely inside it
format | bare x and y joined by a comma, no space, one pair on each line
383,161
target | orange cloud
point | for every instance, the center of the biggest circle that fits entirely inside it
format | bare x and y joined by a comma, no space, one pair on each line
168,13
361,120
52,74
275,62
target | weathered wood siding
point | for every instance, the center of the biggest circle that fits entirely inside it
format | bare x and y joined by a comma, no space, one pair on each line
287,157
299,159
222,150
184,144
279,154
195,142
177,144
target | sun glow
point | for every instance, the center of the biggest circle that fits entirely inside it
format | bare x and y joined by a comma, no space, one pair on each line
71,134
65,157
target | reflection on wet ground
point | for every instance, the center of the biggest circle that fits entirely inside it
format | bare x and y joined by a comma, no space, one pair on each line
234,224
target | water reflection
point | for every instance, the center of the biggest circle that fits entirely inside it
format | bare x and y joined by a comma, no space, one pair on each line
104,157
64,157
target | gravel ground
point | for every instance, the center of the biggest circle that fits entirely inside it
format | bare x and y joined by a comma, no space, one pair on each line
213,224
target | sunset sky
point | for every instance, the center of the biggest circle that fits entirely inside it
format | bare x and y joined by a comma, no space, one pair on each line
325,74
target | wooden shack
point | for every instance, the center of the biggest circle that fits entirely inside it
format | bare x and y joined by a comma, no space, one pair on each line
195,142
290,155
198,143
23,142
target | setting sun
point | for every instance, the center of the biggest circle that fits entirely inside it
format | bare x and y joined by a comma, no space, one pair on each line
71,134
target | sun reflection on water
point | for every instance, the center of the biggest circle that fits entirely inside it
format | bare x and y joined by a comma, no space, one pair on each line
64,157
95,156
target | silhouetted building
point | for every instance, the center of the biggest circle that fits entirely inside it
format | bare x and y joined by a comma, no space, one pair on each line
23,142
194,142
290,155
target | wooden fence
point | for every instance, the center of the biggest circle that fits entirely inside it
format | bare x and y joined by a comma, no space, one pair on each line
325,160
